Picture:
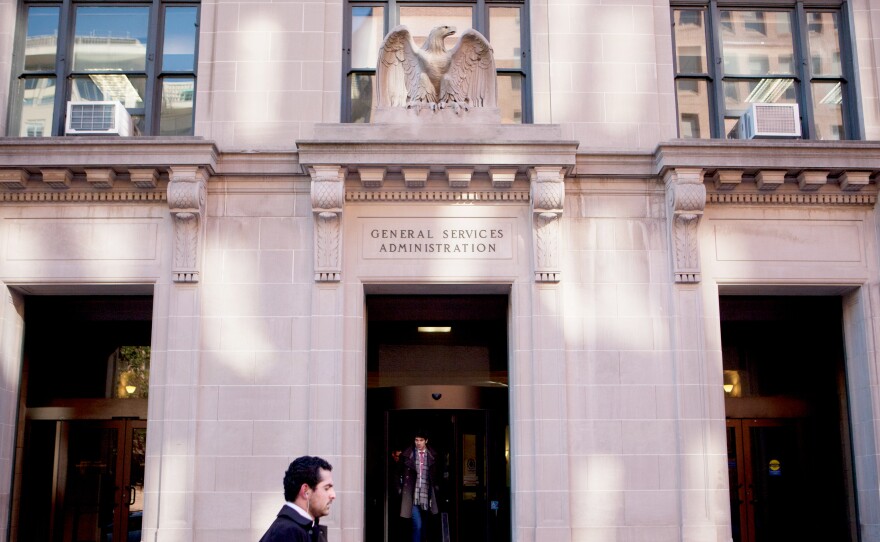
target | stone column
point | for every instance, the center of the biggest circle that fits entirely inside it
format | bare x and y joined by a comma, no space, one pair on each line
11,418
701,465
171,428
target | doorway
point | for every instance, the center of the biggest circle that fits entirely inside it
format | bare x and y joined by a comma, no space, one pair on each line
82,428
451,384
788,445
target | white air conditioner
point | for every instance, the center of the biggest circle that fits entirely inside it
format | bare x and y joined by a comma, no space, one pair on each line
97,118
768,121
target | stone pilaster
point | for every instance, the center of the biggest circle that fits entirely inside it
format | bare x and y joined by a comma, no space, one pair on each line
186,199
328,193
686,198
548,196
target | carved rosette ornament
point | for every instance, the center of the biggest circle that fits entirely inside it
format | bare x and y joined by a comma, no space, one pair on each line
548,196
186,199
686,196
328,183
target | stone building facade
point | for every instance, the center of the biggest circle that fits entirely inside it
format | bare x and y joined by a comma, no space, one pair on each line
658,332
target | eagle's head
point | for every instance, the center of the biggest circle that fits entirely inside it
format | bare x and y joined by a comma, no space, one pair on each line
436,39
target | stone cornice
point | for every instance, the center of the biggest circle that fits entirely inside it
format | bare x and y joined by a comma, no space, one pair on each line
120,153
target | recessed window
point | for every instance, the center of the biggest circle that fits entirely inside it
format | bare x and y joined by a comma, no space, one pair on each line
763,55
141,56
501,22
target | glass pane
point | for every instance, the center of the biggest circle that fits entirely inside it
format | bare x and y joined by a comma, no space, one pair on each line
824,43
757,43
739,94
421,19
733,485
361,85
127,89
131,372
179,44
42,39
110,38
367,25
176,115
828,110
690,41
37,106
90,496
693,108
505,36
510,98
138,447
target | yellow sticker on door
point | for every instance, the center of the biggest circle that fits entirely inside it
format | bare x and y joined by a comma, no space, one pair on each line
775,468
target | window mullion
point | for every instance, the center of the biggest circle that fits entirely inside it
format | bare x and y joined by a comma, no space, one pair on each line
804,71
716,70
154,54
64,65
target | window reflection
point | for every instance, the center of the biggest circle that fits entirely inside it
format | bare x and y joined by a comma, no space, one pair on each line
37,107
825,43
421,19
41,44
176,113
510,98
367,23
361,86
129,90
828,110
179,45
110,38
693,108
504,34
753,34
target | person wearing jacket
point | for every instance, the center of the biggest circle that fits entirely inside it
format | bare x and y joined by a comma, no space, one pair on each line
419,485
308,490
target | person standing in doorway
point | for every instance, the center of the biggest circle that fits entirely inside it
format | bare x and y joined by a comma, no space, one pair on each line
419,492
308,490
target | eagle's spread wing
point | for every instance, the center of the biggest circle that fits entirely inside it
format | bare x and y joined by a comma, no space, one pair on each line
397,68
471,76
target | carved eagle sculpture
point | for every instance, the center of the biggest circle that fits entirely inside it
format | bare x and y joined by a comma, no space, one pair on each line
432,77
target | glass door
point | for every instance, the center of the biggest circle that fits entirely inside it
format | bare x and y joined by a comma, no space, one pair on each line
88,481
772,491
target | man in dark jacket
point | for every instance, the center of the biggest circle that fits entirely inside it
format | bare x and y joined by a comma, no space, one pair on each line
418,497
308,490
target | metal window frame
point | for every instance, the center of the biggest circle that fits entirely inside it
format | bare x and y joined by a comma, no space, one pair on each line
64,74
480,21
803,76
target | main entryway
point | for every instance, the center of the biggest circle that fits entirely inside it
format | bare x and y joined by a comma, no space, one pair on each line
788,444
83,431
438,364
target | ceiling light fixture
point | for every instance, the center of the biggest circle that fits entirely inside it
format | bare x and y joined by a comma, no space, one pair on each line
435,329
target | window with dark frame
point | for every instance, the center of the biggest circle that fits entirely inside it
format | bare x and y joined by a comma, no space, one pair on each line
504,23
729,55
139,54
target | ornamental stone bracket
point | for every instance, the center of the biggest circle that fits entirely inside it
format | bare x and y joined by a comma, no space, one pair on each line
328,193
547,196
186,200
686,198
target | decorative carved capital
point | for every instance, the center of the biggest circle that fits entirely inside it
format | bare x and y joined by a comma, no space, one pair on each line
810,181
460,177
186,200
14,179
59,179
686,196
328,196
548,197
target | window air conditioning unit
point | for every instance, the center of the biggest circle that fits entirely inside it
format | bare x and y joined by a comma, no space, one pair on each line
768,121
97,118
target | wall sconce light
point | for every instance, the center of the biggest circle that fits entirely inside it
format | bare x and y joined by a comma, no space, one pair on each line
130,389
728,388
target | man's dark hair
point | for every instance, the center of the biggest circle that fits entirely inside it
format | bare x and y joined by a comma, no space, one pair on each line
421,433
303,470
